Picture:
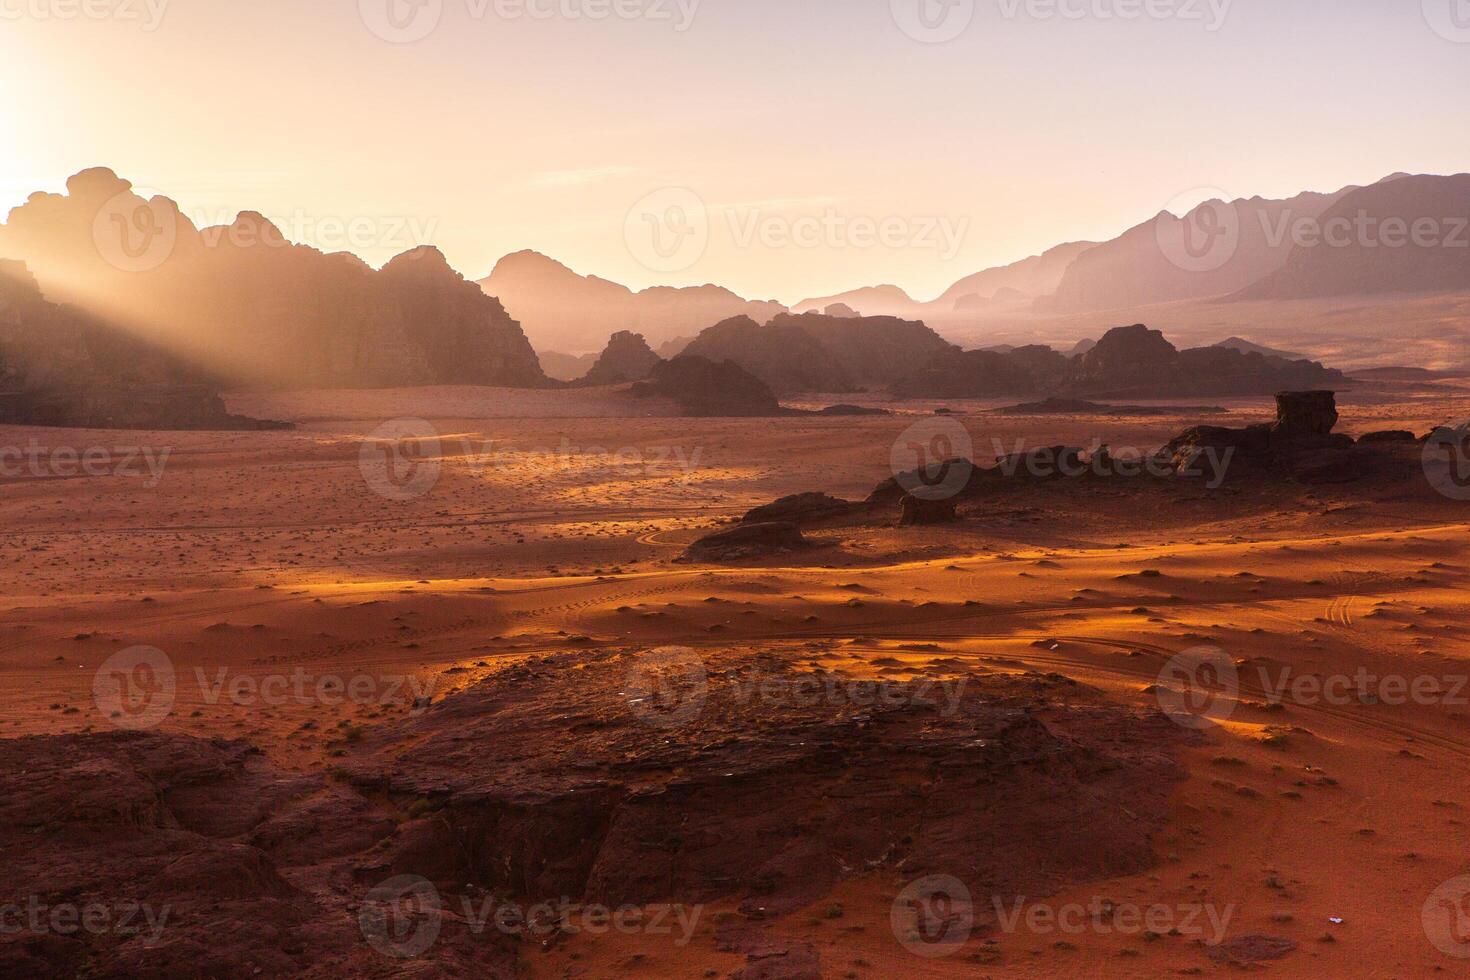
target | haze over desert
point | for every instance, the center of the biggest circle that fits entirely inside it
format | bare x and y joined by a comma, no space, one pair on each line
755,491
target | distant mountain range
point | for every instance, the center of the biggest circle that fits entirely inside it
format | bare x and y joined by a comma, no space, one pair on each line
245,304
574,314
1245,249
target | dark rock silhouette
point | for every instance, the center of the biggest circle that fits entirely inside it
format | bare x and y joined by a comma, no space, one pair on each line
1306,414
984,374
1138,362
703,387
1300,444
799,507
627,358
1389,435
813,352
748,541
918,511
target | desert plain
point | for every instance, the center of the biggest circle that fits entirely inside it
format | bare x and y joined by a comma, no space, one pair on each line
1314,824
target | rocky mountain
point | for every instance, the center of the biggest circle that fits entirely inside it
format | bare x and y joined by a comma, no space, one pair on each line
813,352
1038,275
868,301
1408,234
562,310
705,388
627,358
1010,284
60,366
1247,347
1127,362
1138,362
251,306
1216,249
984,374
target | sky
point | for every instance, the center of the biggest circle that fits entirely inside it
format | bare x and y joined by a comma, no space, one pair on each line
783,148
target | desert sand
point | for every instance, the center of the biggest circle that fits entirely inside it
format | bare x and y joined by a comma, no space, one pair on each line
550,531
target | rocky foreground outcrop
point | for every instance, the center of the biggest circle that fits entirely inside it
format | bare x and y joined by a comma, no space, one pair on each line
248,304
611,777
191,858
655,776
61,367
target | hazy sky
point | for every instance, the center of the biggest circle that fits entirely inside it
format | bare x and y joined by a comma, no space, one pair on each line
798,129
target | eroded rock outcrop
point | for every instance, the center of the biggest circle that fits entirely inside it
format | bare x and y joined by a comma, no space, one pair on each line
627,357
199,858
61,367
647,777
755,540
246,303
705,388
814,352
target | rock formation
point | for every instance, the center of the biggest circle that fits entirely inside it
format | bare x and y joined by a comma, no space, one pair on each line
562,310
748,541
61,367
813,352
917,511
654,776
1138,362
246,303
1299,444
984,374
798,508
704,388
626,358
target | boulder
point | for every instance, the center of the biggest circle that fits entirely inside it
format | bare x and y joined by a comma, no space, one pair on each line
748,541
1305,413
917,511
811,506
1390,435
